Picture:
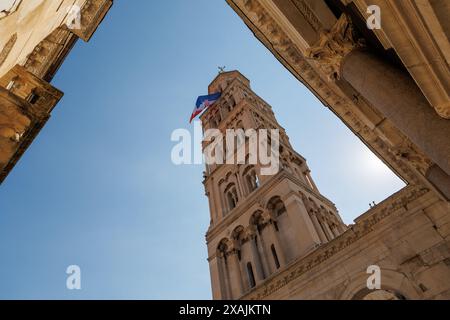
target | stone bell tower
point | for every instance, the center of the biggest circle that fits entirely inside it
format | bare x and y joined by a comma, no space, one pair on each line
259,223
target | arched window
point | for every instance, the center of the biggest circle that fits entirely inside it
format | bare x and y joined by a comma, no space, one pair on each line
275,256
276,206
251,275
232,102
231,200
257,221
231,196
222,248
251,179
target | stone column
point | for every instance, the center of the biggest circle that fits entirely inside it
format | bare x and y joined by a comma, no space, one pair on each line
224,277
235,274
223,202
256,260
327,229
335,231
217,281
278,246
395,94
302,225
390,90
318,227
262,249
242,192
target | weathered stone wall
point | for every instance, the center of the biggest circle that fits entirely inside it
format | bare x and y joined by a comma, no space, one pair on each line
407,236
35,38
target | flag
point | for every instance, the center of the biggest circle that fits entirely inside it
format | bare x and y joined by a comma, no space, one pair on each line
203,102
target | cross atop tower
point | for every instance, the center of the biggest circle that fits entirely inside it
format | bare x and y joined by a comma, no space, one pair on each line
222,69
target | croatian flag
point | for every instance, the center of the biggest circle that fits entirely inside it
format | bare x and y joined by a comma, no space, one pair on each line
203,102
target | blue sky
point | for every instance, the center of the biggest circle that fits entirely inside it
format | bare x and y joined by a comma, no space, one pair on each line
98,189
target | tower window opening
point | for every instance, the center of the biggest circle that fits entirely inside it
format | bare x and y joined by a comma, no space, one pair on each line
275,256
276,206
231,196
251,275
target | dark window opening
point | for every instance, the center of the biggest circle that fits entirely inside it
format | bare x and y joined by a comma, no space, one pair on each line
275,256
251,275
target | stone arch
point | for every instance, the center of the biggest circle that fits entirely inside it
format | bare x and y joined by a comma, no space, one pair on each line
276,206
223,246
251,179
238,234
228,174
255,218
393,282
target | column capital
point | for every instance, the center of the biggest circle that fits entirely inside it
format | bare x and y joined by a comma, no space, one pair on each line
333,46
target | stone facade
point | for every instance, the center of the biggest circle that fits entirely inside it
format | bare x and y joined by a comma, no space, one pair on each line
277,237
259,223
34,41
390,86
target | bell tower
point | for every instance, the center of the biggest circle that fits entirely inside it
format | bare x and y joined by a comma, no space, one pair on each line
259,223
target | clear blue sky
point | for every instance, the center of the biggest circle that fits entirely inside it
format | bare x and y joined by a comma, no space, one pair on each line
98,189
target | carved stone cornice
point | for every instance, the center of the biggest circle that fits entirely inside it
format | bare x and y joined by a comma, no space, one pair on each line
26,103
307,70
92,14
308,14
49,54
333,46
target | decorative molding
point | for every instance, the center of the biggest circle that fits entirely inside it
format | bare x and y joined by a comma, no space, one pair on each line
333,46
50,52
34,100
346,108
92,14
7,48
308,14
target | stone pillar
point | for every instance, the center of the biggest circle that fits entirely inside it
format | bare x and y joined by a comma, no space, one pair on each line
306,234
224,277
223,204
262,249
278,246
395,94
239,186
256,261
217,283
235,274
390,90
217,199
327,229
318,227
335,231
